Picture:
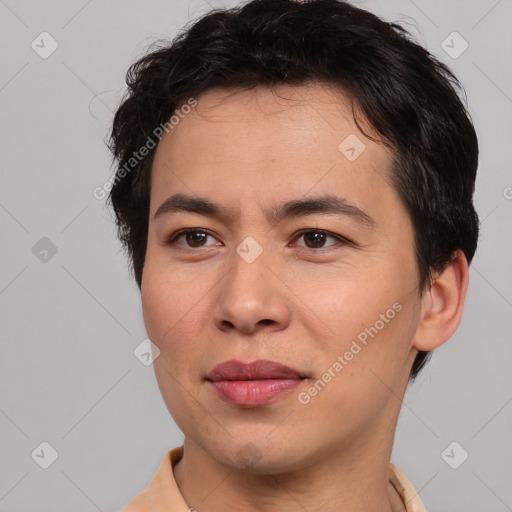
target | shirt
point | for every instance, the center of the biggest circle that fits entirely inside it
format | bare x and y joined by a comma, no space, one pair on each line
162,493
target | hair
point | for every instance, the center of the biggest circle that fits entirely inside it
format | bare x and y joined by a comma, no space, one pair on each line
408,98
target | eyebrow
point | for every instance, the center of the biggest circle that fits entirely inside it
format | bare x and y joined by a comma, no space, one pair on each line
329,204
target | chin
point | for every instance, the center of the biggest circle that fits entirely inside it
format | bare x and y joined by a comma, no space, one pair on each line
259,456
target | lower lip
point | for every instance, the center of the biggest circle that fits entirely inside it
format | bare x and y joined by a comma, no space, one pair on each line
253,392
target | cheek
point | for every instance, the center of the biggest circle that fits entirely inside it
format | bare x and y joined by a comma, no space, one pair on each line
369,374
174,314
170,323
157,308
166,297
351,299
373,313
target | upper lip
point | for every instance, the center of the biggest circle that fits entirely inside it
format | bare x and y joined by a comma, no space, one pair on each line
255,370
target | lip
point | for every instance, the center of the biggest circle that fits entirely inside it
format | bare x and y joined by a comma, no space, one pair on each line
251,384
256,370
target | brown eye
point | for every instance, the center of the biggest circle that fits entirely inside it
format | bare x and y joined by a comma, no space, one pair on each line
195,238
190,238
317,238
314,239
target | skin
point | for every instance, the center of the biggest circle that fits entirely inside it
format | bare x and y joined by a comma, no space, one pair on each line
296,304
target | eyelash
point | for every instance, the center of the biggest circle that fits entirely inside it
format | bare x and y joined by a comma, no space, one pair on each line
172,240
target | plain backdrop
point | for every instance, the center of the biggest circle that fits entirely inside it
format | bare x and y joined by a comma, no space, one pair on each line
71,317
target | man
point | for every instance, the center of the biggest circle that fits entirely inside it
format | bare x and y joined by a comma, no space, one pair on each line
294,191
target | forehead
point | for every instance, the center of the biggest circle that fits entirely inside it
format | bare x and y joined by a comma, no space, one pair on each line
289,139
304,112
219,104
311,113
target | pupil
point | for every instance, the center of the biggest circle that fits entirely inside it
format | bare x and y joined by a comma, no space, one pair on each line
316,239
195,238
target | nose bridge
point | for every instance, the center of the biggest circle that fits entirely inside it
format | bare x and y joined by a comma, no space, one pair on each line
249,294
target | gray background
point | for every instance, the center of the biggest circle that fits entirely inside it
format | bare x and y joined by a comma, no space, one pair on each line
71,320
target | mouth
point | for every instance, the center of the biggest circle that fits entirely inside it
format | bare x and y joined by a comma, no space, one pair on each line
252,384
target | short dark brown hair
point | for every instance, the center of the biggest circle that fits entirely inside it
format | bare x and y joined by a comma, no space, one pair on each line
409,98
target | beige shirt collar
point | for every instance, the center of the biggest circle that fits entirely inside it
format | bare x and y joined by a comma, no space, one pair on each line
162,493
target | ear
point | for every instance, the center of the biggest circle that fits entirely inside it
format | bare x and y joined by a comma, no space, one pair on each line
442,305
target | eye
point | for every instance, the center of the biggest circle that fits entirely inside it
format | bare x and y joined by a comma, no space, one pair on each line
316,238
192,238
196,238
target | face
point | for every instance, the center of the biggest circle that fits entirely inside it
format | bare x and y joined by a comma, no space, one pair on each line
300,253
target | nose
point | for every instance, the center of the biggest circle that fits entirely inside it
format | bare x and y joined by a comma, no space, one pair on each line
251,297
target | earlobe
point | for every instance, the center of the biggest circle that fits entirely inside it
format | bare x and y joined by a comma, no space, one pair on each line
442,305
